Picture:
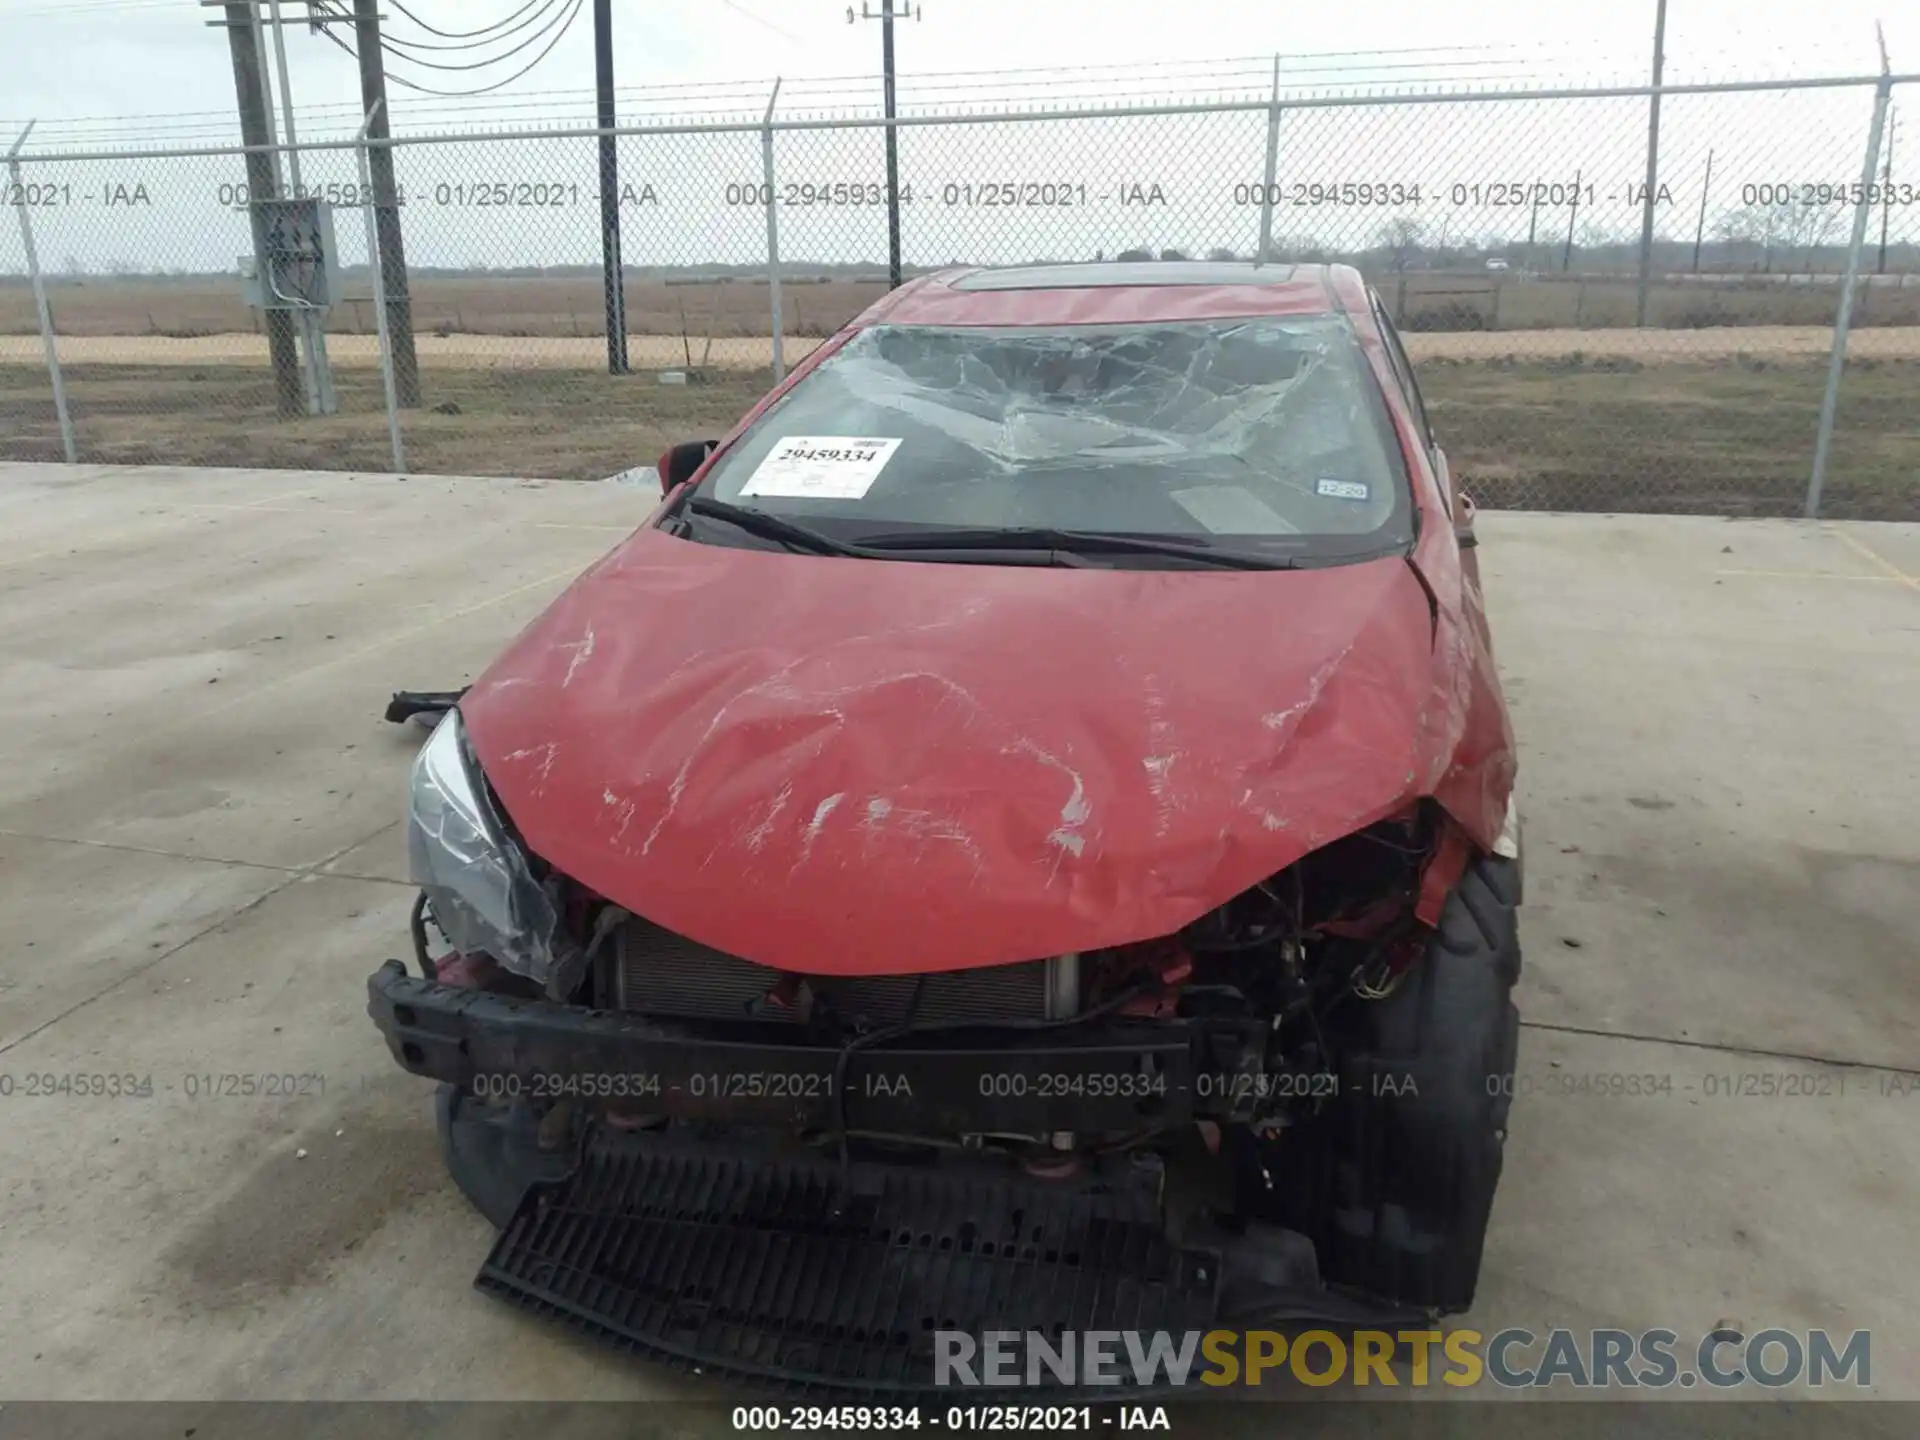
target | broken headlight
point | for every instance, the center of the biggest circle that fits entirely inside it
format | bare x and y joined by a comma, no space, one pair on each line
478,882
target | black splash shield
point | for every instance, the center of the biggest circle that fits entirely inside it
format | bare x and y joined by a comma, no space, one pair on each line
770,1270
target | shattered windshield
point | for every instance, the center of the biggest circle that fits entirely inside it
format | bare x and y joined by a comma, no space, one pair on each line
1258,432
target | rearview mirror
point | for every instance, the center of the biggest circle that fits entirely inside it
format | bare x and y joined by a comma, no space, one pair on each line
678,465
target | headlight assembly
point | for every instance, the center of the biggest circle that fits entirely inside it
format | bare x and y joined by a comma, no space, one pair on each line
477,880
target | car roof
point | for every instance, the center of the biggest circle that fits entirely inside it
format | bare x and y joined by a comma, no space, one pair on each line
1123,272
1117,292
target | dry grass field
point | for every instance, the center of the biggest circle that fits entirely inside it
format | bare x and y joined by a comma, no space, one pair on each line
544,306
1731,438
1714,412
571,307
1427,302
660,352
1564,432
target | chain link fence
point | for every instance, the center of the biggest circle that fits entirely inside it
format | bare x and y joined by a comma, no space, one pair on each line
1566,364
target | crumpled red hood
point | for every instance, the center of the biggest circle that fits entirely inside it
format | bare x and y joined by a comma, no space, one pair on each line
842,766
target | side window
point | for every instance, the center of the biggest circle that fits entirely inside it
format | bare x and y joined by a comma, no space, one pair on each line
1403,369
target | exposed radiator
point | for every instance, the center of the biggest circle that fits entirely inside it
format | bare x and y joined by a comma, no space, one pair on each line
657,972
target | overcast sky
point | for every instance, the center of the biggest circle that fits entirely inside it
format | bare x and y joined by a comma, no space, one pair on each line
111,61
109,58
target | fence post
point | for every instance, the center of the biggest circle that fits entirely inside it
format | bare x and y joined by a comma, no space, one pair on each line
378,270
1829,402
1273,168
1653,165
773,231
40,298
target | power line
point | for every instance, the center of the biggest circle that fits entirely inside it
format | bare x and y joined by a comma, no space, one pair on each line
566,22
558,15
462,34
538,7
740,9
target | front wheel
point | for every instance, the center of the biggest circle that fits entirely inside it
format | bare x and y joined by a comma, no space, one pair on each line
1394,1180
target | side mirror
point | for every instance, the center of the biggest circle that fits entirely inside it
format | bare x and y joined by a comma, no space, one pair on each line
678,465
1463,508
1464,511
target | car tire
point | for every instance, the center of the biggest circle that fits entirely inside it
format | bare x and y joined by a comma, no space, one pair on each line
1394,1180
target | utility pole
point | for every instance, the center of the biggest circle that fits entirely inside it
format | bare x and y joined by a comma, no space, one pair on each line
321,399
613,275
886,18
392,259
307,321
256,133
1653,161
1886,187
893,147
1700,230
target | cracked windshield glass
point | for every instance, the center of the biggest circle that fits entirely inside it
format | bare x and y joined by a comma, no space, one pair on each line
1256,432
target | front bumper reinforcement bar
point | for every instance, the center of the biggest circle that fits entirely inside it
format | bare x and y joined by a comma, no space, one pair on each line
1111,1076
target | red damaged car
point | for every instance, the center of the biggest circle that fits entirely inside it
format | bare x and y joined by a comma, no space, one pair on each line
1022,838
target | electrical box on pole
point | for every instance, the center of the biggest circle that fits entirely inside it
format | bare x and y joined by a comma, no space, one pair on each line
298,269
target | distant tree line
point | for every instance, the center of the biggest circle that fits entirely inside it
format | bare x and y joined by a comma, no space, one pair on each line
1757,240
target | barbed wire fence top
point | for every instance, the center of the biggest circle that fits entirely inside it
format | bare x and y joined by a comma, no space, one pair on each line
1501,229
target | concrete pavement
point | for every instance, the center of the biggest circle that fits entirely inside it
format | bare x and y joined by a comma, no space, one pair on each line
201,859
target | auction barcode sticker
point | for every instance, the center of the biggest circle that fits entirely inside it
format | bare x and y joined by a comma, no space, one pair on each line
821,467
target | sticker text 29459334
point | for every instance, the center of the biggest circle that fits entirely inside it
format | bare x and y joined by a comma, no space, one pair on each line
821,467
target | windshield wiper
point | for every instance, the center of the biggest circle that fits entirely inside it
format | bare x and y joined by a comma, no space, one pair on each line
1015,545
1073,542
772,527
800,537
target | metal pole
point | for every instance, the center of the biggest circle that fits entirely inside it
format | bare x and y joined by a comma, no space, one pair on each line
263,183
1273,169
40,299
313,331
893,148
300,320
266,93
378,270
1573,214
773,235
1886,185
393,251
1700,230
613,279
286,94
1829,402
1653,163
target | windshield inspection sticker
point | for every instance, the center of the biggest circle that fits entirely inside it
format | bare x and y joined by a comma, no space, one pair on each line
1341,489
821,467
